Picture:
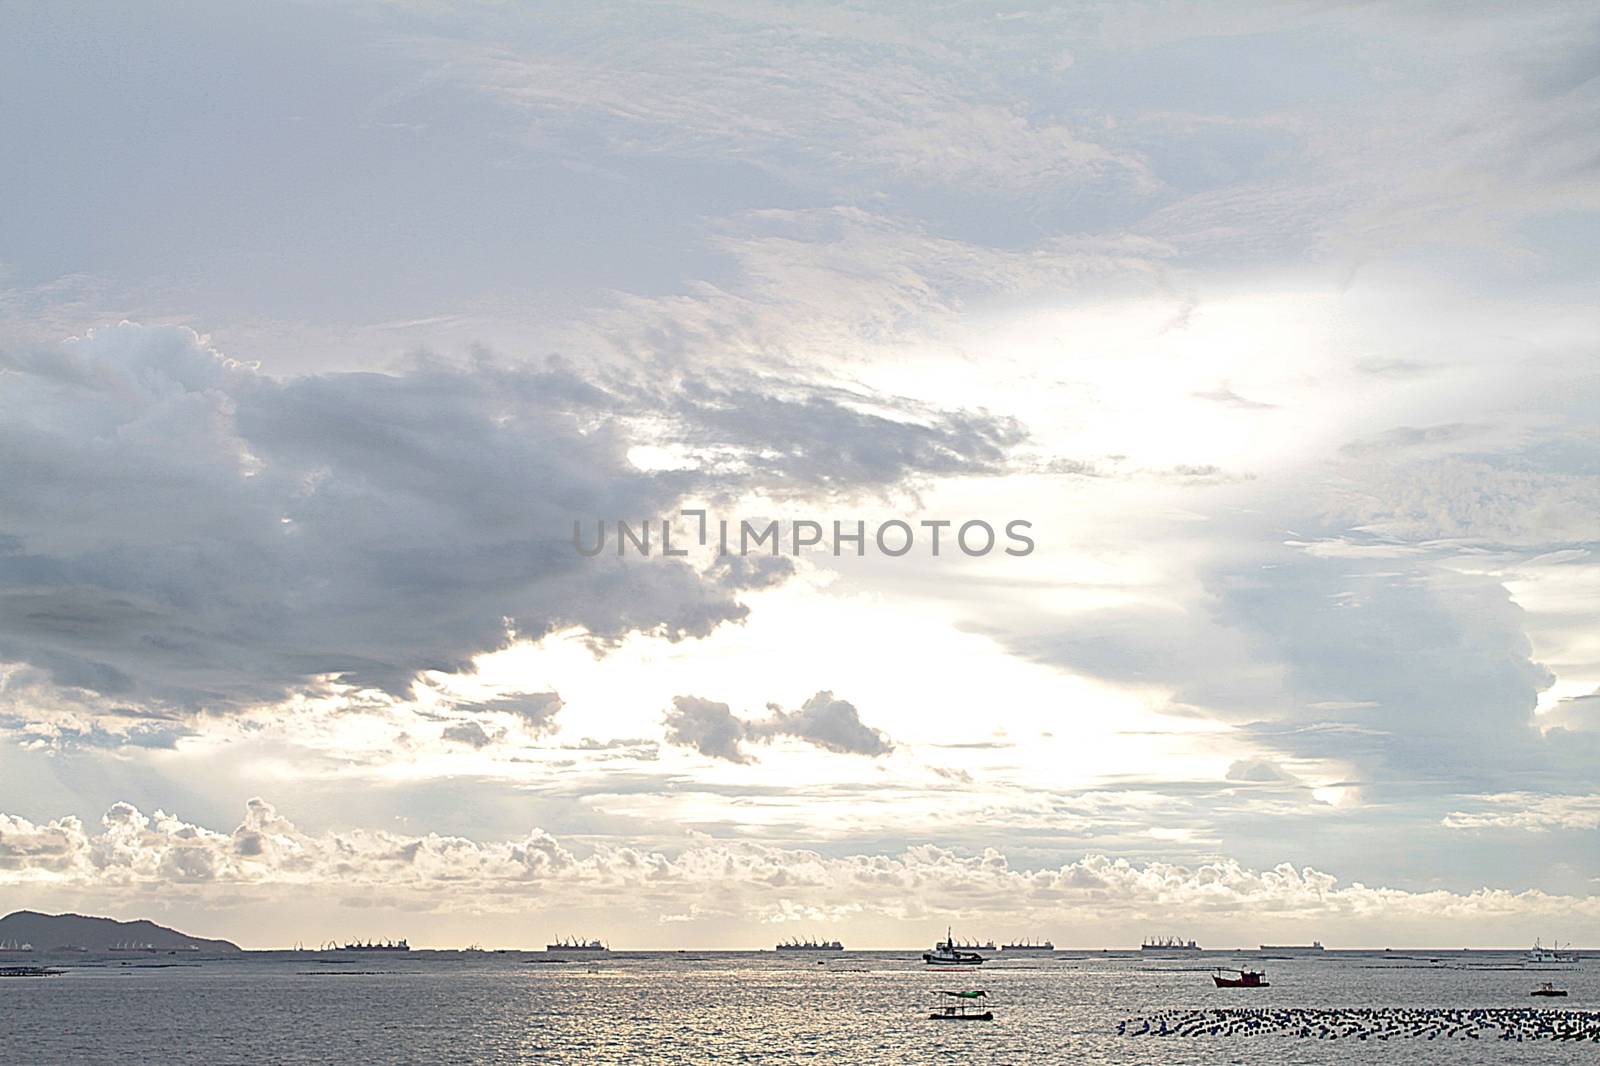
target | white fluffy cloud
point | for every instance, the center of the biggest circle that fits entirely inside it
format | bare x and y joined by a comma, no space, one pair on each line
1529,811
141,852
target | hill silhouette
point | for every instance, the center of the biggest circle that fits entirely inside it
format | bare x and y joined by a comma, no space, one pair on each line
47,932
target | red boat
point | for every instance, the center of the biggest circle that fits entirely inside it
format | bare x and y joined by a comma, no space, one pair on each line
1246,979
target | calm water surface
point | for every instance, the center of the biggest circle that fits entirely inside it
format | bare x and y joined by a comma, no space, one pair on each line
444,1007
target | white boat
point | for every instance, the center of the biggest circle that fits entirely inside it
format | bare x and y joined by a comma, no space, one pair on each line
1555,953
946,953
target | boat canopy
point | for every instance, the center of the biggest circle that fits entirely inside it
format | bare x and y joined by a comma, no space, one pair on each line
976,993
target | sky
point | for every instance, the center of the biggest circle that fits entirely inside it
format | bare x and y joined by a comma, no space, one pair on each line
322,328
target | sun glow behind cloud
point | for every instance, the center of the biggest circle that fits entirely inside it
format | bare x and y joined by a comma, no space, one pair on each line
1291,371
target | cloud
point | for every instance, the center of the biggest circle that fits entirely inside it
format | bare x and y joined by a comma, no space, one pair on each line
31,850
832,97
1404,438
1228,398
843,285
131,853
1259,771
1541,495
823,438
706,726
470,733
534,711
1529,812
1574,713
1453,158
179,529
839,196
1411,670
828,723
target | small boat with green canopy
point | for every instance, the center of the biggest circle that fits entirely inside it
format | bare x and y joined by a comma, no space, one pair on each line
962,1006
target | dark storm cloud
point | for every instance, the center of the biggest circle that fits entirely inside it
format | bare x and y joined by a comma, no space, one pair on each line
711,728
178,528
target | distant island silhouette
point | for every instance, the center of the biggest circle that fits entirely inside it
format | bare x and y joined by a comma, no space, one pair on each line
55,932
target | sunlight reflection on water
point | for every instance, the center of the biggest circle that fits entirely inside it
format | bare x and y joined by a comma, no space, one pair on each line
679,1008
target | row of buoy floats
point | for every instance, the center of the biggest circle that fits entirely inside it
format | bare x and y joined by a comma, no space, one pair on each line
1370,1023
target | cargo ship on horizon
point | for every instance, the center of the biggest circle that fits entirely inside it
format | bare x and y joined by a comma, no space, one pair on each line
810,945
374,945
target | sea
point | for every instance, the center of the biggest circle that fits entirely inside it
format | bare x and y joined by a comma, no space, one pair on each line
764,1007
